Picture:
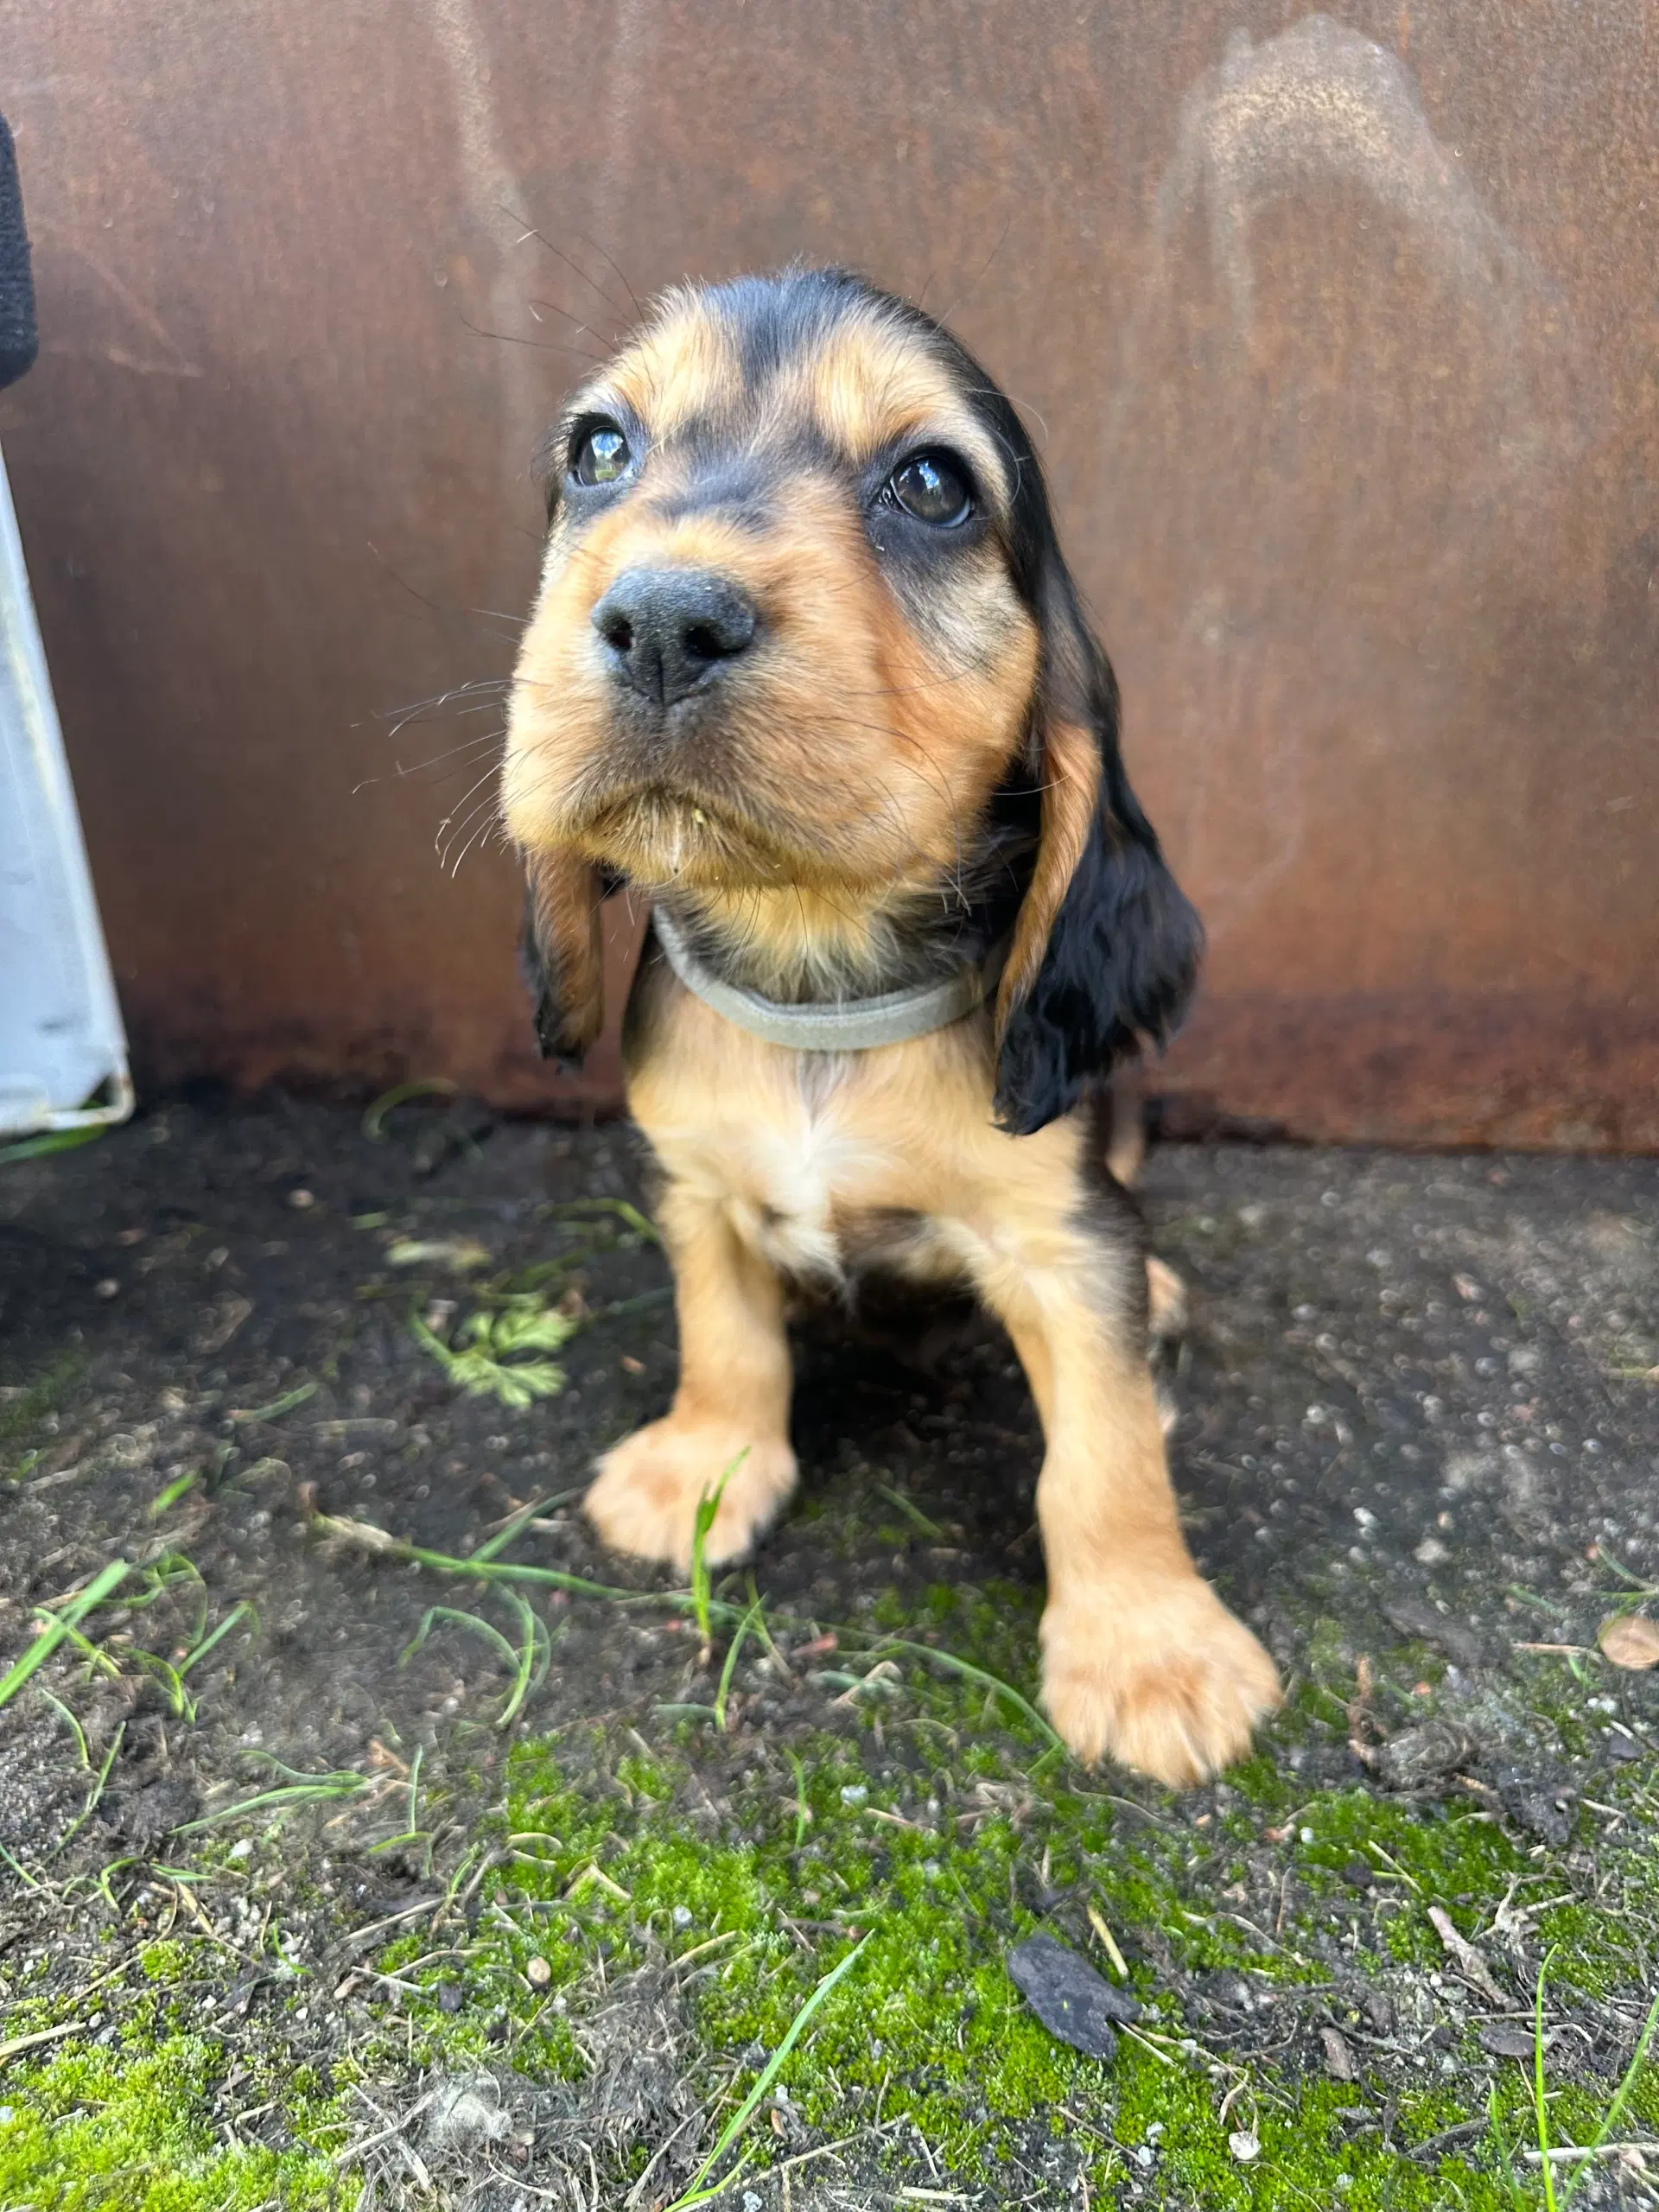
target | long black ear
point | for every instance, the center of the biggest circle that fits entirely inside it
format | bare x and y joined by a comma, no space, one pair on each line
559,955
1106,948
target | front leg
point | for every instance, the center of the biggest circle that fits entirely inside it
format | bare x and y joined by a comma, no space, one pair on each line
732,1405
1141,1659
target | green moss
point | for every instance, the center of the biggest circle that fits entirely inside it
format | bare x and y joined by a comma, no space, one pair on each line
940,1823
90,2130
166,1962
928,2024
21,1415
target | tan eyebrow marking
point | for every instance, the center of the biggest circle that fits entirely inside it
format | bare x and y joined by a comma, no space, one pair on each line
685,366
874,384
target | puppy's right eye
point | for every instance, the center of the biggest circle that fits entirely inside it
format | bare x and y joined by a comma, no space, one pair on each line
601,456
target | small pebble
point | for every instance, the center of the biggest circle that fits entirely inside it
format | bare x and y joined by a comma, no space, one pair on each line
854,1793
452,1996
1244,2144
682,1915
108,1288
540,1973
301,1201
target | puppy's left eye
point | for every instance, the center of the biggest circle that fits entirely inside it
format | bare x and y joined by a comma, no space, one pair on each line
934,487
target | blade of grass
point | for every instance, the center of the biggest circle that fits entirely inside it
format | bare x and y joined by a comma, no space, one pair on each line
25,1877
952,1665
708,1507
803,1810
428,1086
161,1576
368,1538
696,2193
51,1141
175,1490
911,1511
729,1669
288,1799
60,1625
1541,2109
183,1704
1520,2197
1615,2111
240,1610
522,1659
70,1723
242,1415
460,1618
91,1804
630,1216
511,1528
538,1646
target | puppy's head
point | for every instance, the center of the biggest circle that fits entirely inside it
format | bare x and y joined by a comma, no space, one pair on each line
805,656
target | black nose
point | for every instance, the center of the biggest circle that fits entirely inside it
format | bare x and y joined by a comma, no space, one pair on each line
670,631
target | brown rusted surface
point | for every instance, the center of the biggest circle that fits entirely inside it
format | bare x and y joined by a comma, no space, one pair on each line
1341,329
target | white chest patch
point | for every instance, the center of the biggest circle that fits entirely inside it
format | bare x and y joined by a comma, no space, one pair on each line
784,1189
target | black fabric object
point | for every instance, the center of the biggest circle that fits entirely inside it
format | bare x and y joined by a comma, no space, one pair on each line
1069,1997
19,340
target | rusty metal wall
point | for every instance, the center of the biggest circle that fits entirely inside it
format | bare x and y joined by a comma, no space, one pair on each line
1340,332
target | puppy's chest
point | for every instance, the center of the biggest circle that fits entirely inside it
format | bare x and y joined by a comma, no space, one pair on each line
819,1196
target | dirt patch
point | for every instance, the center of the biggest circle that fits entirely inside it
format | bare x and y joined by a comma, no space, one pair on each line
260,1823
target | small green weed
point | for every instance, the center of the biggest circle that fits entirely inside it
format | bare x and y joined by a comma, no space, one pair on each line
487,1358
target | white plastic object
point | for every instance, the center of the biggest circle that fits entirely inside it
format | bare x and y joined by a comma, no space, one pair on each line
63,1054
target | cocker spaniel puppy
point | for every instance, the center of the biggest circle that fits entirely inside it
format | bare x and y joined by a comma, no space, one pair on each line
807,667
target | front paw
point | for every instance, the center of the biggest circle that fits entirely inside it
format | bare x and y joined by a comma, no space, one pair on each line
1160,1676
649,1487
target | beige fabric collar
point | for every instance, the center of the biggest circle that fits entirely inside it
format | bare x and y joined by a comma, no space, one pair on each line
837,1026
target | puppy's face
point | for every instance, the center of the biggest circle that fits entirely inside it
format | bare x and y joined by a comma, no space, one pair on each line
780,639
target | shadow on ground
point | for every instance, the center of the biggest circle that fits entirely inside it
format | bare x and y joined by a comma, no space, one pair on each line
311,1895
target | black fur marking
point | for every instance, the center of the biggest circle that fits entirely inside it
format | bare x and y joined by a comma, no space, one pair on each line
1121,961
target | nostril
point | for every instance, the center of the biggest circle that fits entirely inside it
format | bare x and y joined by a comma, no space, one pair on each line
617,631
719,630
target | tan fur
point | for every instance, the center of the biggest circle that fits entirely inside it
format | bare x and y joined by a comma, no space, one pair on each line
1141,1658
860,747
1071,789
685,365
564,902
